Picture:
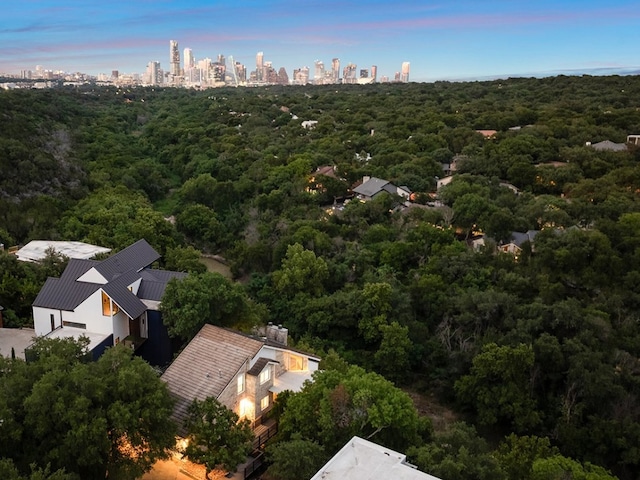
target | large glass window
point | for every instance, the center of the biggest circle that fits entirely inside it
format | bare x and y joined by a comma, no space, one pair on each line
241,383
108,307
264,403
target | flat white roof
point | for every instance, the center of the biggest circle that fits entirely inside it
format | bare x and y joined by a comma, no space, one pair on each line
36,250
290,381
361,459
95,339
16,338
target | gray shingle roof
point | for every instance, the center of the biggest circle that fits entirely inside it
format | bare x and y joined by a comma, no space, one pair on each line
134,257
259,366
371,187
206,366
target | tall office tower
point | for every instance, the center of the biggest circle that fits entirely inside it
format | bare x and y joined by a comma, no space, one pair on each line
154,74
283,78
174,58
335,69
260,66
404,77
189,59
396,77
349,73
364,73
374,72
319,72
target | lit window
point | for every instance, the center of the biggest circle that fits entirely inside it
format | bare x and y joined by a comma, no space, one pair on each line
264,403
265,375
241,383
295,363
108,307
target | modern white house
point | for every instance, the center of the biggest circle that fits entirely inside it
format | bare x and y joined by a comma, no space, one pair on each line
111,301
243,372
373,186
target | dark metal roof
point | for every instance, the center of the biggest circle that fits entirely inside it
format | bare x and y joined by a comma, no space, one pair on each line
118,292
154,283
64,294
76,268
134,257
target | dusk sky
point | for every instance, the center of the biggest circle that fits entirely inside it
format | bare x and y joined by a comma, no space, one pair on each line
443,40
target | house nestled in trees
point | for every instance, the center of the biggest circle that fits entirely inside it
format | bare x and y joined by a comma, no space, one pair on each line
112,301
361,459
371,187
242,372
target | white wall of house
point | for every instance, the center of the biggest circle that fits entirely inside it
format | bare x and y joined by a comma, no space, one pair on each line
92,276
120,326
42,320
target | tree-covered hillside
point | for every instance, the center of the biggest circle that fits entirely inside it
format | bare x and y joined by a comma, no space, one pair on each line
544,344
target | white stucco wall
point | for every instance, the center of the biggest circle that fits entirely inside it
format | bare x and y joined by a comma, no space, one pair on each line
42,320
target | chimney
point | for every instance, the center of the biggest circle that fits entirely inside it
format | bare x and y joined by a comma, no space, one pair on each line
272,332
283,333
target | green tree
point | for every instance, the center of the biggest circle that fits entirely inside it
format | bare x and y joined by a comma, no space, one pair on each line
216,436
191,302
184,259
295,459
457,453
301,271
558,467
89,418
342,403
498,387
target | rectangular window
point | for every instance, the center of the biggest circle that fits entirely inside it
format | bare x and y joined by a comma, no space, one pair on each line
265,375
264,403
241,383
295,363
75,325
53,322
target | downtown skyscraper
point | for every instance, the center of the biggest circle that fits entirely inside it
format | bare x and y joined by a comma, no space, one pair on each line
174,58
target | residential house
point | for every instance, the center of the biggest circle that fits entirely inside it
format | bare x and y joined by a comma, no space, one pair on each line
361,459
633,139
443,182
245,373
371,187
487,134
109,301
37,250
518,239
608,146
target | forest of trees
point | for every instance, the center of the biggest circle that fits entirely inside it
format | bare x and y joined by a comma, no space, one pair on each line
538,356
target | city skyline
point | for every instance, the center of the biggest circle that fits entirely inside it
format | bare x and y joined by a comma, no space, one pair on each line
466,40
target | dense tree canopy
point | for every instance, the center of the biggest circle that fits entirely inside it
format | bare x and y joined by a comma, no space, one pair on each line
395,290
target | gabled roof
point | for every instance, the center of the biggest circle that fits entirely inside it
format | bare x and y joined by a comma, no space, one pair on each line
60,294
371,187
121,270
518,238
154,283
119,292
259,366
207,365
134,257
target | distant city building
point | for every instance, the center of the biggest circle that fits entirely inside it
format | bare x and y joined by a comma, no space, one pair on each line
259,66
115,74
174,58
335,69
404,77
154,74
349,73
374,72
189,59
364,73
283,78
318,77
